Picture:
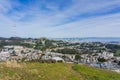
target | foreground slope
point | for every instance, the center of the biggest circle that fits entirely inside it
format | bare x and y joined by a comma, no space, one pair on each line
90,73
37,71
53,71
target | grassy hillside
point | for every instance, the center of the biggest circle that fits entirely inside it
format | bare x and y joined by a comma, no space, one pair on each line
37,71
90,73
57,71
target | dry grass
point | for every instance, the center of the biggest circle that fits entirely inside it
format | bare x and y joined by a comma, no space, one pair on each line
12,64
37,71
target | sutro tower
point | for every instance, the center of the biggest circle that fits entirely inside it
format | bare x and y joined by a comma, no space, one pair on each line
14,31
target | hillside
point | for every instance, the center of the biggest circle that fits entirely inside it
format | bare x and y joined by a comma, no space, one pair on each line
48,71
36,71
90,73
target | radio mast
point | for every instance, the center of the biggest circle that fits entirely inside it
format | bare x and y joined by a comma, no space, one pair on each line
14,31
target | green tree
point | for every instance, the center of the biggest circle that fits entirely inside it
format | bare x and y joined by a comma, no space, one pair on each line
101,59
117,53
78,57
43,44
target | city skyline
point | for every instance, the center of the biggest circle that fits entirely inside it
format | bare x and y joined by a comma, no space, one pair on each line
60,18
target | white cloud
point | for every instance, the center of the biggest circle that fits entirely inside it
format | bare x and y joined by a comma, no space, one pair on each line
5,6
100,26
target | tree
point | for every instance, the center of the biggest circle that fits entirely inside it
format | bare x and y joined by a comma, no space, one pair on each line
119,63
68,51
101,59
77,57
14,53
43,44
117,53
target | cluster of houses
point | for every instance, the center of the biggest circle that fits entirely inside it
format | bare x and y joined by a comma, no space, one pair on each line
111,61
93,58
17,53
20,53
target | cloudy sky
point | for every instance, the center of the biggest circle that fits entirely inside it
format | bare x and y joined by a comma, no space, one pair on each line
60,18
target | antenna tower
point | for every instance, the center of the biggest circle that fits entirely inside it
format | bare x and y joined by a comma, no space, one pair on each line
14,31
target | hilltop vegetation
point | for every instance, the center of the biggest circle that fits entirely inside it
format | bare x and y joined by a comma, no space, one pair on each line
58,71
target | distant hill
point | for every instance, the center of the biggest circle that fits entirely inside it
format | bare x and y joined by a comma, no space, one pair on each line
15,38
84,39
100,39
2,38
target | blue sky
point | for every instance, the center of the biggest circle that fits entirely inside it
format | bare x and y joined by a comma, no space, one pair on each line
60,18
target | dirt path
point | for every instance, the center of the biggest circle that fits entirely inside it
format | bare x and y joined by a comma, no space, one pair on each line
75,72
